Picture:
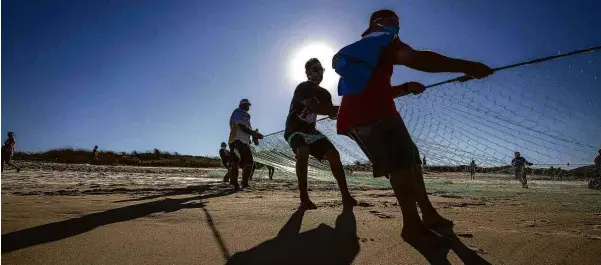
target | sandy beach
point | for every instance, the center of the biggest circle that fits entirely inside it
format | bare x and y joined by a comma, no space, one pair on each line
82,214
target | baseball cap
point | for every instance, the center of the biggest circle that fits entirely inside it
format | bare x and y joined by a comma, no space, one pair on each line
223,144
244,101
379,15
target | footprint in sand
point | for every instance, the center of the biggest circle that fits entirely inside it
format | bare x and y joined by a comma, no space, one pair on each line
381,215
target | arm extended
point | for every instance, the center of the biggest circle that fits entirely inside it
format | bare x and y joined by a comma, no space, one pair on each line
320,108
432,62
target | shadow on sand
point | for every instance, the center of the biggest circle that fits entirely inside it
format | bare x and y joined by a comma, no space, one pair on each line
438,256
322,245
64,229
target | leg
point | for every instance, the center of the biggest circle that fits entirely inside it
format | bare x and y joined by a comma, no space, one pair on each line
247,172
338,171
430,216
226,178
234,175
302,161
524,180
389,147
246,162
14,166
414,231
252,171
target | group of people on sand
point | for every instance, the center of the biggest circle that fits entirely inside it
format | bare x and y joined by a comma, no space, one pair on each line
370,118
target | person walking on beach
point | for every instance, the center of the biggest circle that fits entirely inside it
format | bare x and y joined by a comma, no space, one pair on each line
598,164
270,171
308,101
95,155
371,119
473,170
240,136
8,150
519,169
224,154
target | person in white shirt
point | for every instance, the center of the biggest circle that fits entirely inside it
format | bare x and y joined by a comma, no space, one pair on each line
239,141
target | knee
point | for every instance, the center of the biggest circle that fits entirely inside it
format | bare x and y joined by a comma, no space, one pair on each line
333,157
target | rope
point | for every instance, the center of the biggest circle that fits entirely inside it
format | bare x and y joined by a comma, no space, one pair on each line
467,78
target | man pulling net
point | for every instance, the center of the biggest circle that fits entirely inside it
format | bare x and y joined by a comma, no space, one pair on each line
310,100
371,119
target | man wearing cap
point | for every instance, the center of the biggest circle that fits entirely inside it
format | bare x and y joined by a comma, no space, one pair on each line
225,160
308,101
240,154
372,120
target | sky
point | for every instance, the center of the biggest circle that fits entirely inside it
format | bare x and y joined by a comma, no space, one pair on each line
138,75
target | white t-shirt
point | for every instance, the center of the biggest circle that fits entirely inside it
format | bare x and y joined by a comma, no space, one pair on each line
239,116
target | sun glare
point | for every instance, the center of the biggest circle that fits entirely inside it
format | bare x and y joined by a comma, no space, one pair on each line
324,54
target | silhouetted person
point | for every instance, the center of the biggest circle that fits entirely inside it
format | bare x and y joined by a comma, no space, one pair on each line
598,164
224,154
95,155
308,101
370,117
240,136
270,170
519,169
425,162
8,150
473,170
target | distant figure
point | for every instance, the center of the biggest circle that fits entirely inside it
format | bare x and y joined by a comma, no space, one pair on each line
95,155
8,150
424,162
225,161
598,164
271,171
595,182
519,168
240,137
473,170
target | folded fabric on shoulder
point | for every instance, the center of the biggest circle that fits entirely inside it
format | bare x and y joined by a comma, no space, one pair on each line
356,62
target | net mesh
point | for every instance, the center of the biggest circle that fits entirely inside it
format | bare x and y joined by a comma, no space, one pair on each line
548,111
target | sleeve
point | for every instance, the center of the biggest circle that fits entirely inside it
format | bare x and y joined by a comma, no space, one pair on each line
303,92
513,162
239,117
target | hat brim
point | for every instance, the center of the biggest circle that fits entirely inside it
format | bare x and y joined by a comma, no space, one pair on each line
366,32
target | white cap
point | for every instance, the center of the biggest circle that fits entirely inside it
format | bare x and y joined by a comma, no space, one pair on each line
244,101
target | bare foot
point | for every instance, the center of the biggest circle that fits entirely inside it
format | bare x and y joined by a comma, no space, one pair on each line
423,237
437,221
308,205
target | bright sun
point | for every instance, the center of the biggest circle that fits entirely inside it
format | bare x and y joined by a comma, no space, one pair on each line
324,54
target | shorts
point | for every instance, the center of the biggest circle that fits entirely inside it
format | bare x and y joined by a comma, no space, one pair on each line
241,153
318,143
388,145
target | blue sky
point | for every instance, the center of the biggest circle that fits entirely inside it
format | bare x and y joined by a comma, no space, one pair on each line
138,75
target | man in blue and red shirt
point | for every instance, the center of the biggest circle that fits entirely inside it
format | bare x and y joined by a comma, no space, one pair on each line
372,120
